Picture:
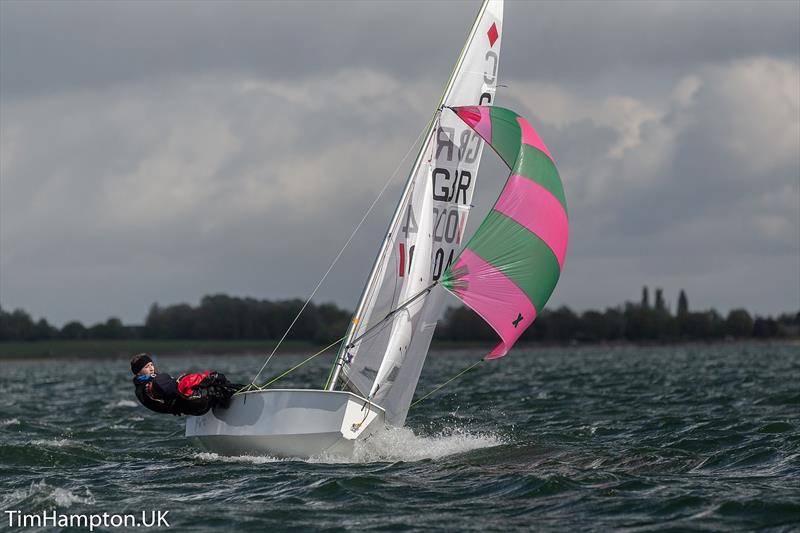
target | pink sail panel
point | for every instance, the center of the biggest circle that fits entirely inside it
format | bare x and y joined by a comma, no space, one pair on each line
538,210
497,299
531,137
478,118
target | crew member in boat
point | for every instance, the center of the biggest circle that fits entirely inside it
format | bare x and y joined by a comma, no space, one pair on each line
190,394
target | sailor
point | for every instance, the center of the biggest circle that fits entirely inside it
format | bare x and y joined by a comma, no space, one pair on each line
190,394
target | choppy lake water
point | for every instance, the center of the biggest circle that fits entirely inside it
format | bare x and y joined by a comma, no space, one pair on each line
586,438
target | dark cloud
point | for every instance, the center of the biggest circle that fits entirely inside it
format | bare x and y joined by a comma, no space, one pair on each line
50,46
708,200
157,151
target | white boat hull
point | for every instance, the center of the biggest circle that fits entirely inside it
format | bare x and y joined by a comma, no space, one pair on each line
287,423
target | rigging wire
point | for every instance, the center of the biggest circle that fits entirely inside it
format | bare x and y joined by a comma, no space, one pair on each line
298,365
253,387
393,312
336,259
473,365
379,326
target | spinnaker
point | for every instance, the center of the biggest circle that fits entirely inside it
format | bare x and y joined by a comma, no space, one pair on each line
511,264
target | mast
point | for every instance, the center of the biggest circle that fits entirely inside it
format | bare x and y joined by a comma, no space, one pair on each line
389,338
370,285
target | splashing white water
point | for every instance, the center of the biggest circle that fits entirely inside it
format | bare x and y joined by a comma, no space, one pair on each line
53,443
253,459
42,493
401,444
65,498
390,445
125,403
9,422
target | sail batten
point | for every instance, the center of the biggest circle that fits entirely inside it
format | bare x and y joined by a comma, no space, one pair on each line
510,266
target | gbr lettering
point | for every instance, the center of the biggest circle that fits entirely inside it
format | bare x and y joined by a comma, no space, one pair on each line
451,185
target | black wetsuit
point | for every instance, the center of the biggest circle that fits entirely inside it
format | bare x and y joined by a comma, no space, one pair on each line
160,394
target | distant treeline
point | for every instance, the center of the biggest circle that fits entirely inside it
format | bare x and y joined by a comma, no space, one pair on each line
637,322
218,317
223,317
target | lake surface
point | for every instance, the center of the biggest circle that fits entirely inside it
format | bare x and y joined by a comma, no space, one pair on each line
584,438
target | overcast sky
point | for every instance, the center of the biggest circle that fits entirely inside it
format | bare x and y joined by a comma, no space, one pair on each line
158,152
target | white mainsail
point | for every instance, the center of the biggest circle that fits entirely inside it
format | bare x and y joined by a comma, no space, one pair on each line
382,356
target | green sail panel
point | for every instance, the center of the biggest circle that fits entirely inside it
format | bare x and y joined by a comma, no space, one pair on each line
506,134
537,166
520,255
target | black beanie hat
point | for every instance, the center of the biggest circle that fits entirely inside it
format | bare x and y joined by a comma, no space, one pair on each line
140,361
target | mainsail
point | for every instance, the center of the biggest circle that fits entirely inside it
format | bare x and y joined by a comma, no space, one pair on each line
510,266
388,340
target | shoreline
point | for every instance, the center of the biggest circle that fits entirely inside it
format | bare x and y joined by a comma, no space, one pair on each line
65,350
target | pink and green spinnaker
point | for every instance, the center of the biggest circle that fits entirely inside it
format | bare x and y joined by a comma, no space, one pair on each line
510,266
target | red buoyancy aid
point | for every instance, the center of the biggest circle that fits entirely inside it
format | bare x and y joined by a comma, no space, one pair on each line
188,382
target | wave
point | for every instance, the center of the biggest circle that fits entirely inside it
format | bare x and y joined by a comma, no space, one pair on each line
42,494
54,443
253,459
9,422
125,403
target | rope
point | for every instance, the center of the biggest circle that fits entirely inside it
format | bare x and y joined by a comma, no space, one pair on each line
390,314
473,365
253,386
298,365
346,244
247,388
357,425
330,373
393,312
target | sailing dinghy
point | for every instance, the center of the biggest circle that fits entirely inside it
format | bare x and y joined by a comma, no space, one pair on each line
506,272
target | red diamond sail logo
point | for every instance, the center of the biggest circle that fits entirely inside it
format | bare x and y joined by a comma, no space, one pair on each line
492,34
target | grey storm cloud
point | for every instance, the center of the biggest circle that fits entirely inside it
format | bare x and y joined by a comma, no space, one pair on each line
160,151
54,45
